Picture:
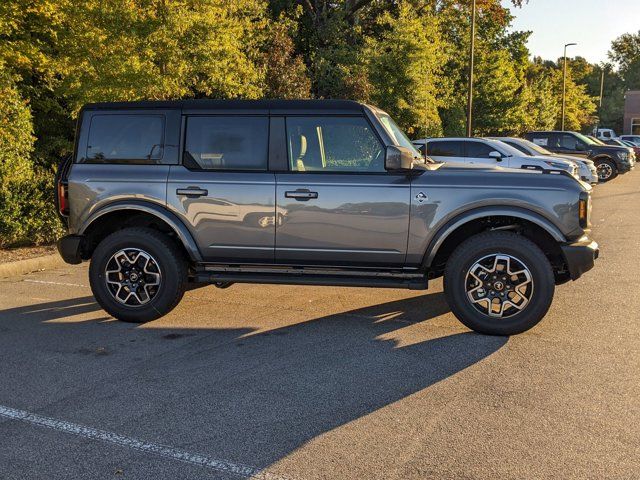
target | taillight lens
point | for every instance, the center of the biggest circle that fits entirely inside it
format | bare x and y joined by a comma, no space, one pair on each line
63,199
584,209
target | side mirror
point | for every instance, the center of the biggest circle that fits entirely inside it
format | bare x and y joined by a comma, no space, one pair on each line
398,158
496,155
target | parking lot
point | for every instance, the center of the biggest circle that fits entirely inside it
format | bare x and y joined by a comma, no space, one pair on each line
269,381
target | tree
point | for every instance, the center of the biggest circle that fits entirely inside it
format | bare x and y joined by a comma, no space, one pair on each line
625,52
404,63
286,74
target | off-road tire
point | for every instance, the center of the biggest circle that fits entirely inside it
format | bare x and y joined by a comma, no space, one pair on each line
171,262
490,243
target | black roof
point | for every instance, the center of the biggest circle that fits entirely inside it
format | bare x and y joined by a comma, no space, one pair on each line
254,105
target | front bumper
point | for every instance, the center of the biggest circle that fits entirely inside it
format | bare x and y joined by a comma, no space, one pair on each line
580,256
70,248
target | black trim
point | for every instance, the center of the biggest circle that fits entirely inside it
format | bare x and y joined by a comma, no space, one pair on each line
70,248
580,256
278,161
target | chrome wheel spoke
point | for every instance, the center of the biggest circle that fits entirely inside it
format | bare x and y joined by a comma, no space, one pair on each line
133,277
499,285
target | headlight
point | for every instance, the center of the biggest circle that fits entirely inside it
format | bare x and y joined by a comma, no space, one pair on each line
623,155
584,209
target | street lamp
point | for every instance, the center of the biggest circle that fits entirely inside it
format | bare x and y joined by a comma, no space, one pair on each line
471,52
564,81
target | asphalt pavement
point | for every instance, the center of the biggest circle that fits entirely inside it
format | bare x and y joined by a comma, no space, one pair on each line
274,382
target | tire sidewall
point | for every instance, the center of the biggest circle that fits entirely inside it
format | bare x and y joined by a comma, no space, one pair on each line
161,303
543,289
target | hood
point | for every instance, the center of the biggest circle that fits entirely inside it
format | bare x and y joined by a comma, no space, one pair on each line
572,158
608,148
554,158
481,168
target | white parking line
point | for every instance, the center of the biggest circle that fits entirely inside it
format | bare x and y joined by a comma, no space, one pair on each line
237,469
55,283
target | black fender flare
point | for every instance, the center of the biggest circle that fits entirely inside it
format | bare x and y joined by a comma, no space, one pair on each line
179,228
489,211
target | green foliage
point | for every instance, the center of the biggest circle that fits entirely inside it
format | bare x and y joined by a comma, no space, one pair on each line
403,67
625,51
26,212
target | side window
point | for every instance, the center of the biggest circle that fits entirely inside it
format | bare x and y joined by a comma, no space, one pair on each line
333,144
445,149
569,142
479,150
226,143
542,140
120,138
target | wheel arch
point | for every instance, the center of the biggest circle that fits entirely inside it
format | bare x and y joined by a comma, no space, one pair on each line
530,224
120,214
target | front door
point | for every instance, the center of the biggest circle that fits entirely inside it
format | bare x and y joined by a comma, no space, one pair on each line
338,205
223,191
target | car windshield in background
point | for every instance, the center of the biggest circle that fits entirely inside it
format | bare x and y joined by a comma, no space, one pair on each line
585,139
505,148
536,148
397,135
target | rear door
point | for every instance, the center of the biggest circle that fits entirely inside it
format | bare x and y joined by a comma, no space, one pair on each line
337,205
222,189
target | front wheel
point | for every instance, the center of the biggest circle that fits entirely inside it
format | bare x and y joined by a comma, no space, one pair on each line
499,283
137,274
606,170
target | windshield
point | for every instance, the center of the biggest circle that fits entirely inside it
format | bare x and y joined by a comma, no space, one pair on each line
585,139
397,135
505,148
536,148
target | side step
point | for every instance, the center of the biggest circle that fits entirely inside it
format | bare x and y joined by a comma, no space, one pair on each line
313,277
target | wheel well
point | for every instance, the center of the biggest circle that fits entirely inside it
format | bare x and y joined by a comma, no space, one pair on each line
528,229
108,223
605,157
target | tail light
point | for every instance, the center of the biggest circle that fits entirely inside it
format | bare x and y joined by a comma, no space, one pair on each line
63,198
62,187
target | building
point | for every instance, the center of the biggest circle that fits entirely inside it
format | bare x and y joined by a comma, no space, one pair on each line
631,113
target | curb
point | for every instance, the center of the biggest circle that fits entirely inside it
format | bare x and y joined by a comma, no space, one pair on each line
29,265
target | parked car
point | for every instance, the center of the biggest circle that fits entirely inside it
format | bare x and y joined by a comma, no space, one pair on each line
485,151
150,185
635,139
604,134
633,146
618,143
586,168
610,160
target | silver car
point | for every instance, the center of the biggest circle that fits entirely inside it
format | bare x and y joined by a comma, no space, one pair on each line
487,151
586,168
160,195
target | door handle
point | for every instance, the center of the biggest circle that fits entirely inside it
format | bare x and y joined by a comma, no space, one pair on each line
192,192
301,195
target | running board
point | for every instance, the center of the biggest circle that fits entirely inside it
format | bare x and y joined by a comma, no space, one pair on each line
411,282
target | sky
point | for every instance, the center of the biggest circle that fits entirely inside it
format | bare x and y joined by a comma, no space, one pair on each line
592,24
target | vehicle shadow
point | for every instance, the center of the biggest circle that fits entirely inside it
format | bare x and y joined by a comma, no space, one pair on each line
237,394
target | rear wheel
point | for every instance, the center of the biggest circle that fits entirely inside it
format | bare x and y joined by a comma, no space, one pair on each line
499,283
606,170
137,274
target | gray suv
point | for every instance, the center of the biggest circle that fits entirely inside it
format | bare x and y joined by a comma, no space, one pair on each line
160,195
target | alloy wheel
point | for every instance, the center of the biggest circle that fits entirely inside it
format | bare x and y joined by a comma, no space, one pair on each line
604,171
499,285
133,277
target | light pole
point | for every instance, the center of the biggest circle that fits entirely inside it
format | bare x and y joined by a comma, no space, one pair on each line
564,81
471,53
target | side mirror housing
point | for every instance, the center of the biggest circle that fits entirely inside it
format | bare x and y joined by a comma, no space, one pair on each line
398,159
496,155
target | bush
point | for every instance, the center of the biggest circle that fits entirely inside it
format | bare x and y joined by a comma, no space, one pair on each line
27,212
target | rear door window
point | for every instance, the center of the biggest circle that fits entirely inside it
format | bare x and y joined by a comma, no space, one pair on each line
226,143
122,138
445,149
